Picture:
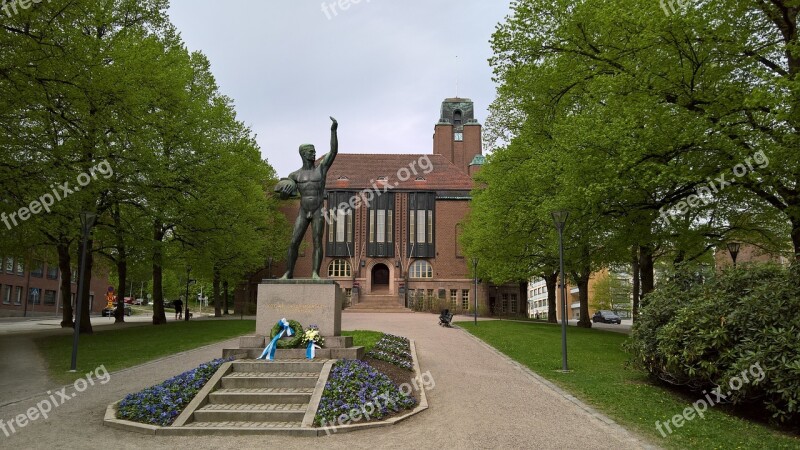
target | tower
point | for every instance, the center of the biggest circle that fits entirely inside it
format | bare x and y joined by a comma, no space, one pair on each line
457,136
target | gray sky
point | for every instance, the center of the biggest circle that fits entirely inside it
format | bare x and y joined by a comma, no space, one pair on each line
381,67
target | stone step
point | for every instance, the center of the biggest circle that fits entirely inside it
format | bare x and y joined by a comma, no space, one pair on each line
237,412
246,425
256,365
270,380
353,310
261,341
296,353
261,395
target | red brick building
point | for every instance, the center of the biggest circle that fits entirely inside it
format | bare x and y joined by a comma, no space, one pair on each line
393,223
28,289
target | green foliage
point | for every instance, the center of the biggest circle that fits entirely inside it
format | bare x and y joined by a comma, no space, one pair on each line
294,341
704,335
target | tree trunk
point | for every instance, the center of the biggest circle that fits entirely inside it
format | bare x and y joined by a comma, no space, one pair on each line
523,295
551,281
217,303
66,284
159,318
122,272
582,280
796,238
122,266
646,268
85,312
636,274
225,290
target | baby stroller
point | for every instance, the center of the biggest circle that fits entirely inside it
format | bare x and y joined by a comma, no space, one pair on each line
445,318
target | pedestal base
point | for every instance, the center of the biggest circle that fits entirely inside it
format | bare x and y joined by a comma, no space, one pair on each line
310,302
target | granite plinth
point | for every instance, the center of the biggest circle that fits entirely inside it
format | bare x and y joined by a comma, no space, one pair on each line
310,302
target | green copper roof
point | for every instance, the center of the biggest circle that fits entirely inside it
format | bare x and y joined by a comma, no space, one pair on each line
478,160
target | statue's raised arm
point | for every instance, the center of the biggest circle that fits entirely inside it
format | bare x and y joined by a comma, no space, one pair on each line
328,159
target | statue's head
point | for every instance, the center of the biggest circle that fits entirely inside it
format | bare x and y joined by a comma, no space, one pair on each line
308,152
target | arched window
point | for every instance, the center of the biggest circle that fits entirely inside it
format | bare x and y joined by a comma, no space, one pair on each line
339,268
457,118
420,269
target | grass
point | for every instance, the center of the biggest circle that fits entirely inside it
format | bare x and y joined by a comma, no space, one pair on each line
601,378
118,349
364,338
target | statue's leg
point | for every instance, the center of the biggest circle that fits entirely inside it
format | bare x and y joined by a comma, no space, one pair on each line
317,228
300,227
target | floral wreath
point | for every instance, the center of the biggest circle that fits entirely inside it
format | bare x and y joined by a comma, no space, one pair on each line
296,340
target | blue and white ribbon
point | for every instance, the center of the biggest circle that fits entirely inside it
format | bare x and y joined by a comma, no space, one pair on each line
269,352
311,350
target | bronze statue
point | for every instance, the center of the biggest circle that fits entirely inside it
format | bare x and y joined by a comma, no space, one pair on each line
309,182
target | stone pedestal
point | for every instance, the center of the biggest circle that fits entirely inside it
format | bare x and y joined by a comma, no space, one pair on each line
310,302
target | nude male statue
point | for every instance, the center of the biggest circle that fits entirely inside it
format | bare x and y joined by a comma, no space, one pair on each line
309,182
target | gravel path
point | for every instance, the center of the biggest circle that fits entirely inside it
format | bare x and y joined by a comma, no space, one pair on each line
480,400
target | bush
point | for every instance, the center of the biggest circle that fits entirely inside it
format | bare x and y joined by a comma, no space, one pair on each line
163,403
706,335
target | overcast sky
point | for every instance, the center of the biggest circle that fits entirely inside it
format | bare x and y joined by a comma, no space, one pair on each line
381,67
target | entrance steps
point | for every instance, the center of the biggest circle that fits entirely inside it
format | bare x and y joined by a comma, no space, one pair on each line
380,303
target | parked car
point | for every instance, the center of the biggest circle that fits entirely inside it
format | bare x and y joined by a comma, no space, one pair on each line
606,317
109,312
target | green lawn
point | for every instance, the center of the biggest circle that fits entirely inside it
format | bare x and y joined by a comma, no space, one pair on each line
118,349
600,378
364,338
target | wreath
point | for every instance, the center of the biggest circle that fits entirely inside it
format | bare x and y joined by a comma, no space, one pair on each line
296,340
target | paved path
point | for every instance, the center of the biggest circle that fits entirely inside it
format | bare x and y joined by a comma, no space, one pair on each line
480,400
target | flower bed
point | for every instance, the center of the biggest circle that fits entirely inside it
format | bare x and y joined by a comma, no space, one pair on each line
395,350
355,385
163,403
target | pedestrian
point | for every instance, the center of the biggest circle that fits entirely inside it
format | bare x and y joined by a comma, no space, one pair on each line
178,309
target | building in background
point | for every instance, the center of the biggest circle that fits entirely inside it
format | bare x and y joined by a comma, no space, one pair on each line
36,290
398,247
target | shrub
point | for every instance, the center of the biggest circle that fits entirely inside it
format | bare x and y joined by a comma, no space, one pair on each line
163,403
705,335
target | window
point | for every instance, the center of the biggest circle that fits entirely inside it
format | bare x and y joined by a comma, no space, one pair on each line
465,299
10,265
421,221
457,118
504,303
458,136
35,296
52,272
513,303
339,268
421,269
430,293
18,297
20,268
37,269
339,217
381,226
7,294
454,297
49,297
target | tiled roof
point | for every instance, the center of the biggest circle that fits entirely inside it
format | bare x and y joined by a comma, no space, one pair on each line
360,171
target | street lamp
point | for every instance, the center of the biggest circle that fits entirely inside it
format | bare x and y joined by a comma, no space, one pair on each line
87,222
475,272
560,220
733,248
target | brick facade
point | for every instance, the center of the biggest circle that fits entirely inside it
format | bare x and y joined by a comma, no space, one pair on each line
407,179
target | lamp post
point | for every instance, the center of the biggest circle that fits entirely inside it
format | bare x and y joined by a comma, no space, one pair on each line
560,220
188,282
87,222
475,272
733,248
